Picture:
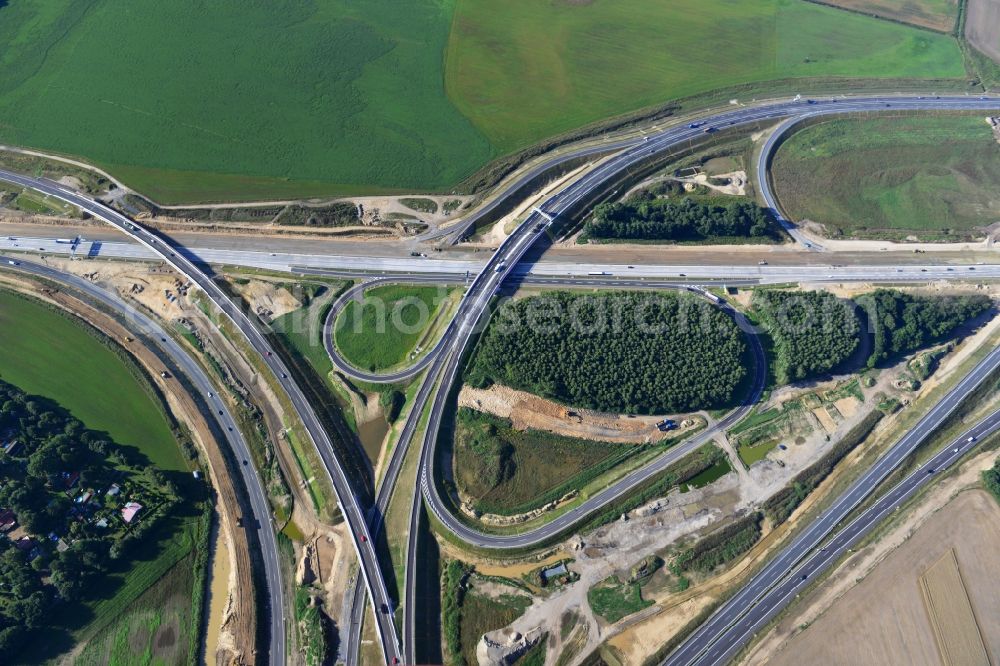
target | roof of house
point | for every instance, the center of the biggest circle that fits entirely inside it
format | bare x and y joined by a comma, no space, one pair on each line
129,511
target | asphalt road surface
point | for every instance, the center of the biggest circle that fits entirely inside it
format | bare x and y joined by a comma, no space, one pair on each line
489,279
261,519
724,632
353,512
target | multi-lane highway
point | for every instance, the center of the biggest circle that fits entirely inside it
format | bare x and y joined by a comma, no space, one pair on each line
353,512
154,334
510,252
491,274
721,634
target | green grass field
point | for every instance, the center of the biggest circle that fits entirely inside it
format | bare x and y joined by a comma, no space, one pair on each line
239,100
189,102
930,177
523,70
509,471
613,600
47,353
382,332
481,614
154,629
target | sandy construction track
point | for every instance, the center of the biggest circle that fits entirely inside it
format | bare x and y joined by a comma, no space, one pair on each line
237,632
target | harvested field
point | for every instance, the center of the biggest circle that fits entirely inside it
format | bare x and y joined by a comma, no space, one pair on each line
982,26
951,614
885,615
939,15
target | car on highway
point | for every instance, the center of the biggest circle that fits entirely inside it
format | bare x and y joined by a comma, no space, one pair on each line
971,439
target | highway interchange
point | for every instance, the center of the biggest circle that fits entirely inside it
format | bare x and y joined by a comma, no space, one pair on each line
442,366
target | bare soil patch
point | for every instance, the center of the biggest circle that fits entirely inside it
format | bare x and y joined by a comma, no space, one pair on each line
939,16
884,614
526,410
982,26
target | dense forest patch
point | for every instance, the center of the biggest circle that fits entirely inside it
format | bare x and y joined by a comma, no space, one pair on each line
902,323
615,352
685,220
813,331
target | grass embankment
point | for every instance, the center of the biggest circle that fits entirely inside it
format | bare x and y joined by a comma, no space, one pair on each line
605,58
931,177
47,353
385,329
255,131
508,471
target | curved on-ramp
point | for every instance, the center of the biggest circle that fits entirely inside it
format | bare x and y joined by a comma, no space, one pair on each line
351,509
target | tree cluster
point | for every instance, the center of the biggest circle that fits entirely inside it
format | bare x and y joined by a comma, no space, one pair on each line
685,220
991,479
621,352
902,323
52,443
813,331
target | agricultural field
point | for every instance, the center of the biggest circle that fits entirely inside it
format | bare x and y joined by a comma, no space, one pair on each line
933,178
939,15
188,102
522,70
982,28
47,353
886,614
154,629
383,330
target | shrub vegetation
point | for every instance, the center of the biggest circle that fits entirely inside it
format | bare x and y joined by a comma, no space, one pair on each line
616,352
991,479
508,471
721,546
813,331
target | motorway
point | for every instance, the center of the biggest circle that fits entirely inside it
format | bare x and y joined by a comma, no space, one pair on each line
793,268
353,512
721,634
502,264
510,252
143,325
